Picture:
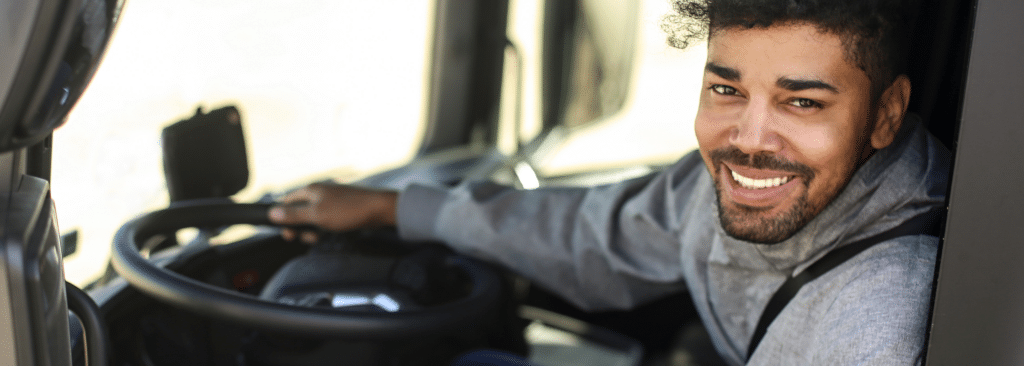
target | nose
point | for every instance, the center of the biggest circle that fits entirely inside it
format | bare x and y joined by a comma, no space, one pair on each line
755,130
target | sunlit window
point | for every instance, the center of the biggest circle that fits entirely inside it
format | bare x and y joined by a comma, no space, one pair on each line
655,126
324,88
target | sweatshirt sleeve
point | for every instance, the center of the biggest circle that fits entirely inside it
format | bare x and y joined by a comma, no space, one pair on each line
601,248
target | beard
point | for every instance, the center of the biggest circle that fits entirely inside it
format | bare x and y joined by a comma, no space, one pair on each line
749,224
756,224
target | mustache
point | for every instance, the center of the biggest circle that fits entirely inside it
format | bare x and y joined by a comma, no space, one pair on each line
734,156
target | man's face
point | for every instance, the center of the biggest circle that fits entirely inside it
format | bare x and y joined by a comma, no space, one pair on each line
782,126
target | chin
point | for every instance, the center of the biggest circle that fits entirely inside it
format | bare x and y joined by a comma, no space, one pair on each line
765,225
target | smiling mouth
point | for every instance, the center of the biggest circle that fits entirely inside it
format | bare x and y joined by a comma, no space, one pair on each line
756,188
751,183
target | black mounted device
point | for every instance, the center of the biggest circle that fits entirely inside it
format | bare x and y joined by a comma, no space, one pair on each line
204,156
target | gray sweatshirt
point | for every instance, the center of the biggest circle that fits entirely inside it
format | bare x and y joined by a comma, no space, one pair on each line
619,245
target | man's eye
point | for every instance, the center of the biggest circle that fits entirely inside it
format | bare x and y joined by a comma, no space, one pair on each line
723,89
805,103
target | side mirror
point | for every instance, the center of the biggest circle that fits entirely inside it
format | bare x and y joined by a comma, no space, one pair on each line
588,55
204,156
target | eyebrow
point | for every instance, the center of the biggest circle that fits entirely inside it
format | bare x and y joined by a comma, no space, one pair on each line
726,73
798,85
732,74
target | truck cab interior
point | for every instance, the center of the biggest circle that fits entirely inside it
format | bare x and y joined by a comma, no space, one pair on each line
370,298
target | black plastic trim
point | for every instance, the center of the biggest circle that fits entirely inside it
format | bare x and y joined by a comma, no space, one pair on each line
97,341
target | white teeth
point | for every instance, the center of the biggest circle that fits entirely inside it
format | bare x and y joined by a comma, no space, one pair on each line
751,183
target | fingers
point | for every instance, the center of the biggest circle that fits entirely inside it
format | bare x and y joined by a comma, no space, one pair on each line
334,208
288,214
309,237
288,234
299,208
295,207
291,210
307,193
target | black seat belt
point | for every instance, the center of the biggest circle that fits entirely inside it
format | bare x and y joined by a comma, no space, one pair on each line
928,223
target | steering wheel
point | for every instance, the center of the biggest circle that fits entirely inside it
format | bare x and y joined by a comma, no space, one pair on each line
204,299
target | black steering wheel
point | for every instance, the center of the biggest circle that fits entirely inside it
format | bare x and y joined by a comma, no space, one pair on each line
204,299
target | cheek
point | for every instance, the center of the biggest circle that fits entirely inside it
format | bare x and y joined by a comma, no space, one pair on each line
706,129
701,129
826,148
815,144
710,126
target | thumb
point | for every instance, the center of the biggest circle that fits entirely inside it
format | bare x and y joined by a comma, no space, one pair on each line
290,213
293,208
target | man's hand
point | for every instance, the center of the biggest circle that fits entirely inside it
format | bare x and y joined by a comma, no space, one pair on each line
334,207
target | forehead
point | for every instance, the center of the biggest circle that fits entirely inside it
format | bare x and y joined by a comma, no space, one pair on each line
785,51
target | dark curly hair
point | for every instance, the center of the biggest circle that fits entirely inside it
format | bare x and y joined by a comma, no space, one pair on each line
874,32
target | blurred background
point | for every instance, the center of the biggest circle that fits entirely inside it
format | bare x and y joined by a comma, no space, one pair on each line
327,89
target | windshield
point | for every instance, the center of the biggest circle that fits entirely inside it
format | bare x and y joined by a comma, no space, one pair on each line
326,89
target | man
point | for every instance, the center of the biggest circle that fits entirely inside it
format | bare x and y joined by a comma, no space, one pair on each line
805,147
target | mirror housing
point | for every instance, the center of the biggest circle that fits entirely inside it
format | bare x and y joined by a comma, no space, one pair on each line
587,65
204,156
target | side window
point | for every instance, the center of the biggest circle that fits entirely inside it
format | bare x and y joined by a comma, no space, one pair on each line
655,125
322,86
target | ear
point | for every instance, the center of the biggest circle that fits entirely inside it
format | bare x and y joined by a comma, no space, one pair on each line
892,106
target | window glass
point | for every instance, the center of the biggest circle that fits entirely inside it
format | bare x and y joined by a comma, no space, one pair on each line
325,87
656,124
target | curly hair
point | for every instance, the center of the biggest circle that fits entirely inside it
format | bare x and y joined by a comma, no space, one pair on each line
875,33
